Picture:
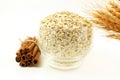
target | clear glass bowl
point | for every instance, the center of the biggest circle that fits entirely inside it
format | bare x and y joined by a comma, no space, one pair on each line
65,39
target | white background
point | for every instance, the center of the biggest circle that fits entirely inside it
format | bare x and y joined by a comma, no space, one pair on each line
21,18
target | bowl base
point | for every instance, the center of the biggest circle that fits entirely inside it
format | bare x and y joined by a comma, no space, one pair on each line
64,65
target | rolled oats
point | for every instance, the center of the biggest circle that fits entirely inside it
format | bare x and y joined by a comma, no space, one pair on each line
65,35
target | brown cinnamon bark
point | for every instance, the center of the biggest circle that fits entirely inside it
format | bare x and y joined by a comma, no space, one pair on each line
23,57
36,58
31,46
28,56
24,47
29,52
28,63
26,51
18,58
35,51
35,39
18,53
23,63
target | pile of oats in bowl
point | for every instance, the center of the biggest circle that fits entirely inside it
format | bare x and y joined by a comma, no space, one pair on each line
65,36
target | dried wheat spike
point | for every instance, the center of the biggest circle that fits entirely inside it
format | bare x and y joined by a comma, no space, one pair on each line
105,25
113,12
106,20
109,18
115,36
114,6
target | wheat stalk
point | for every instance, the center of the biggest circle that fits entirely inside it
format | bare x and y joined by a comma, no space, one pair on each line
113,12
109,18
108,21
114,6
115,36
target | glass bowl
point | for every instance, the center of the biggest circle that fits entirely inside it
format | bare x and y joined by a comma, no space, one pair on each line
65,39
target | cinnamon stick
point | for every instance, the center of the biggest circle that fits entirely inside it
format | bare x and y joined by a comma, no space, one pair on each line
35,39
18,58
36,58
18,53
35,51
24,47
23,57
28,55
31,46
28,63
23,63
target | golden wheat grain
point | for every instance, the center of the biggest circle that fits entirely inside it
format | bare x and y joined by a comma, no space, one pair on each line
115,36
107,25
103,24
114,6
109,18
104,21
113,12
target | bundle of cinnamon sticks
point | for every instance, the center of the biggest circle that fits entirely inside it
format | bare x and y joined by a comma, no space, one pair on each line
29,52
